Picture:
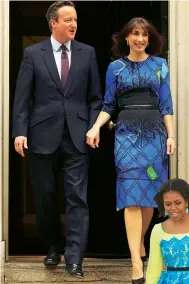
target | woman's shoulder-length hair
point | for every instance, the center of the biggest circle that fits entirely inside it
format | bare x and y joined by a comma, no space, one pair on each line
121,49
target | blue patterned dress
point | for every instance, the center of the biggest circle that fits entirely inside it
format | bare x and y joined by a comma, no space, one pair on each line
141,91
167,250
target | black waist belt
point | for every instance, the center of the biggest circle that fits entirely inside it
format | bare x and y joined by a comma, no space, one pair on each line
177,268
138,107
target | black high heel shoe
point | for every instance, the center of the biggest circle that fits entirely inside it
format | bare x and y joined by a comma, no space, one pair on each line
138,281
142,279
144,258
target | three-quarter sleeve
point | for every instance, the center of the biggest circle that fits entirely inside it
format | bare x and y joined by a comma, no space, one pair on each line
165,99
155,262
109,103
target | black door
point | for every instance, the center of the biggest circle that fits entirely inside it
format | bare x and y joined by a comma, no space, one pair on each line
96,23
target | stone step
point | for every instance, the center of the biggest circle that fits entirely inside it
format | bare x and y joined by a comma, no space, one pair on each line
31,270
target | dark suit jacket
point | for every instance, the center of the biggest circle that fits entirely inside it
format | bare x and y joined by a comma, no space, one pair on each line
41,104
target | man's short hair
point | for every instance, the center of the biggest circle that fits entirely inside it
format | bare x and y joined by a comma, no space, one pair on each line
52,10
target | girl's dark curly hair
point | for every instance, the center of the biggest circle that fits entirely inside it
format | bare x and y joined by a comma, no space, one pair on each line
121,49
176,184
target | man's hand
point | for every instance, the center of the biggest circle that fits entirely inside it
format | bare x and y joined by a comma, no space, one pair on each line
20,143
93,137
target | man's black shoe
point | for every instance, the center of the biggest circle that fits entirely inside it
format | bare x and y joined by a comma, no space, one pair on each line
75,270
53,258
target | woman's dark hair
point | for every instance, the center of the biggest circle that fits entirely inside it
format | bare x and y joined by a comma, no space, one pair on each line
120,47
176,184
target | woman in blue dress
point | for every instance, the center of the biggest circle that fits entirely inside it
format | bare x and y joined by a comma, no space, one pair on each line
137,83
169,243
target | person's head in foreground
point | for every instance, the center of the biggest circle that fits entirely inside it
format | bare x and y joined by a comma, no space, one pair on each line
173,199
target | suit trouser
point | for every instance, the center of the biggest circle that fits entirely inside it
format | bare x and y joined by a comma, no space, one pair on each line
75,172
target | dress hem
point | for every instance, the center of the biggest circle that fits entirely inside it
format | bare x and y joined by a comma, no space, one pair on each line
136,205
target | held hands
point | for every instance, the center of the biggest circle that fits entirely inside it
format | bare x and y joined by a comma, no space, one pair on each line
171,146
93,137
20,143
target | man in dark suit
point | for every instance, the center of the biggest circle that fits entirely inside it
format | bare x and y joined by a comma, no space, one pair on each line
57,100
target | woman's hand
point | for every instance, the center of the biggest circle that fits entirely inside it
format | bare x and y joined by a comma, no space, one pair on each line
93,137
171,146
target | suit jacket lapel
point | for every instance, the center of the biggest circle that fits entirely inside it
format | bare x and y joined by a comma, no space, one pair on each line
75,48
51,64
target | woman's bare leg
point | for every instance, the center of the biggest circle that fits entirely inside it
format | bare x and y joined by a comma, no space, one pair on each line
147,214
133,223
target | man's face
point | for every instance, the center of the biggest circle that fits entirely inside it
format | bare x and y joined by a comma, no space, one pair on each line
65,27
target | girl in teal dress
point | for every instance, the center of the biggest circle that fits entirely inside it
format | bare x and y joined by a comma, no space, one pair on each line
169,243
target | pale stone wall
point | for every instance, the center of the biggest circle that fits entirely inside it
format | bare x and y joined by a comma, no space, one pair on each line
4,129
1,137
179,68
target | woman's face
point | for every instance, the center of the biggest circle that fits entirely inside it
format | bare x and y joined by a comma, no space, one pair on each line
138,39
175,205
